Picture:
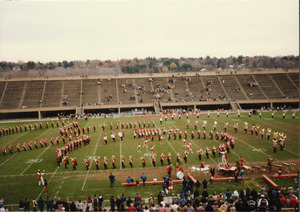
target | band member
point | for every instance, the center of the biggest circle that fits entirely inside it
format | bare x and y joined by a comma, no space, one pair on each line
204,134
202,164
178,157
154,159
228,146
66,160
123,161
185,155
217,135
207,152
262,132
105,162
211,134
162,156
138,148
4,150
252,129
225,126
143,160
74,161
169,170
169,158
236,126
268,133
10,148
274,146
131,161
113,161
87,163
214,149
96,159
239,113
24,146
249,114
18,147
41,179
200,152
256,129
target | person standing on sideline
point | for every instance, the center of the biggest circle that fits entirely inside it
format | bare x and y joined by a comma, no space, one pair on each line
112,180
144,178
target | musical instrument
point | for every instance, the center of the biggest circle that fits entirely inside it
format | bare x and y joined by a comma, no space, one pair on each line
204,122
245,123
180,175
215,122
269,130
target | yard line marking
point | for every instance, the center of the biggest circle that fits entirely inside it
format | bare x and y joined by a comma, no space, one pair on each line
91,161
48,182
59,187
35,159
8,159
169,142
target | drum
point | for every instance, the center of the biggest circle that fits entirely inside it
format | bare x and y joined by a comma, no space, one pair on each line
180,175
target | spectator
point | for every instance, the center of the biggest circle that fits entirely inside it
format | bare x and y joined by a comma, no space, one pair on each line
228,195
34,204
262,203
41,204
204,183
283,201
159,197
235,194
100,201
129,201
251,204
131,207
112,203
21,205
144,178
205,193
95,202
211,182
27,205
112,180
293,202
263,190
137,200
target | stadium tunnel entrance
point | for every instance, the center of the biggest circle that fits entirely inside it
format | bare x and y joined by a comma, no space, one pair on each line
21,115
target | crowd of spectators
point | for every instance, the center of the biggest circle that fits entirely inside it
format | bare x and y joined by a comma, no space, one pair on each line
188,200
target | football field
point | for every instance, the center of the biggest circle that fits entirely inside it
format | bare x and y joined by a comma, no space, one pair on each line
19,178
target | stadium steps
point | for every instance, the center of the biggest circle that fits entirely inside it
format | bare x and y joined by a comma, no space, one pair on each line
294,79
62,93
144,89
267,86
234,105
134,91
241,87
230,85
221,83
33,94
12,95
90,90
53,94
188,91
3,86
43,94
286,85
72,90
22,95
277,85
216,90
256,92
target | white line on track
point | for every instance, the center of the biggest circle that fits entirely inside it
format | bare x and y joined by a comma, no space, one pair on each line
91,161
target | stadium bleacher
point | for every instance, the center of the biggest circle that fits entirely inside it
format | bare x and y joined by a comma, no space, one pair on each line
93,93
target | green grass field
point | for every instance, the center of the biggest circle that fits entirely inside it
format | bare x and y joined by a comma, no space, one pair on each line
19,179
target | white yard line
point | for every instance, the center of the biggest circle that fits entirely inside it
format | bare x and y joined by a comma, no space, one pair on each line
8,159
35,159
60,187
91,161
169,142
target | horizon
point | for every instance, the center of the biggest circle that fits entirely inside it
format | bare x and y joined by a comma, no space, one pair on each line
53,31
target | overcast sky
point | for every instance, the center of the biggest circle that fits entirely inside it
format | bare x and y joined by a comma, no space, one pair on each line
79,30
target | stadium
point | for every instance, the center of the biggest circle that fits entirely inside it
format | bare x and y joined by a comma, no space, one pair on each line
163,133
